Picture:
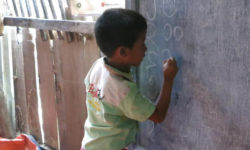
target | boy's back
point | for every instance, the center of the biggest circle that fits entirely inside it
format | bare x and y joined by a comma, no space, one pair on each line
114,106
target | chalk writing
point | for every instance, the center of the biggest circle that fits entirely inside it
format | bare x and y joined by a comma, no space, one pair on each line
152,83
166,51
169,9
167,31
151,30
151,63
178,33
151,80
152,17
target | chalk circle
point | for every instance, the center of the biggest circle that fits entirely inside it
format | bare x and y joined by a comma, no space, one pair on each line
151,17
152,47
170,10
151,64
153,85
167,31
151,81
166,51
151,30
178,33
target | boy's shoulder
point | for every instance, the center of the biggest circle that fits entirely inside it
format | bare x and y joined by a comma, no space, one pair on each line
102,72
110,81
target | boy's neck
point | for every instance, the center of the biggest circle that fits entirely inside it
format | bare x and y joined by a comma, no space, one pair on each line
118,65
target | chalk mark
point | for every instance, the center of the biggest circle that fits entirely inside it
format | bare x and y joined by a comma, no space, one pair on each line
171,8
168,28
151,65
166,51
151,18
178,33
151,30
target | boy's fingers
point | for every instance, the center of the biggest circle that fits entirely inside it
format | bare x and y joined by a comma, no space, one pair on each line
173,60
170,61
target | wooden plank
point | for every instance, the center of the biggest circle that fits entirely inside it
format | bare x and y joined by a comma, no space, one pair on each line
1,69
19,86
8,82
36,9
45,12
15,7
55,17
7,102
42,33
86,27
62,9
66,15
21,8
7,125
28,7
72,61
30,85
47,91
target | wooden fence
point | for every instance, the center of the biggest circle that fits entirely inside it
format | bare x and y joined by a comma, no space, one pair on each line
42,89
50,73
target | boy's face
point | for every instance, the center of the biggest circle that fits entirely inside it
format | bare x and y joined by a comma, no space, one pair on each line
136,54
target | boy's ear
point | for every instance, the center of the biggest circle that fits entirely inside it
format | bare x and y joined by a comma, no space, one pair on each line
122,51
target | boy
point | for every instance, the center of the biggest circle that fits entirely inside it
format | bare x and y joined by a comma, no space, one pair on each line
114,103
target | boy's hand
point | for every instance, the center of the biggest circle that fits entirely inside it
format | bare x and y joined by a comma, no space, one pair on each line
170,69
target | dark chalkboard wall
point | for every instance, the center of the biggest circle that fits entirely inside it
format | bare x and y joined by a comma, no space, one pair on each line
210,106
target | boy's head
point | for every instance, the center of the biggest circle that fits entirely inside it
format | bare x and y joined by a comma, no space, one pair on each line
118,27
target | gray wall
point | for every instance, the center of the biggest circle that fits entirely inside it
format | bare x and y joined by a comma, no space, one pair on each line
210,106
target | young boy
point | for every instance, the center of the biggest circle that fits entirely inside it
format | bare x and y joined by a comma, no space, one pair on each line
114,102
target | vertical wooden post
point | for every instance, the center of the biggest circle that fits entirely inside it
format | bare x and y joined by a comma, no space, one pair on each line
30,84
19,86
47,91
71,64
7,115
2,99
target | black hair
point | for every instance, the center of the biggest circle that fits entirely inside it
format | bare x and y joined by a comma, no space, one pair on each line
118,27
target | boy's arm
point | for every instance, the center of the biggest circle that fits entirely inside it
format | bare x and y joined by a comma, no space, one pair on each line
170,69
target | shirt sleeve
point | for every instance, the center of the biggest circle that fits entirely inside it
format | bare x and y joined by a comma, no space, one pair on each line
135,105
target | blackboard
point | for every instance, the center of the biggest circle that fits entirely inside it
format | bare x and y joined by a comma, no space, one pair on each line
210,106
